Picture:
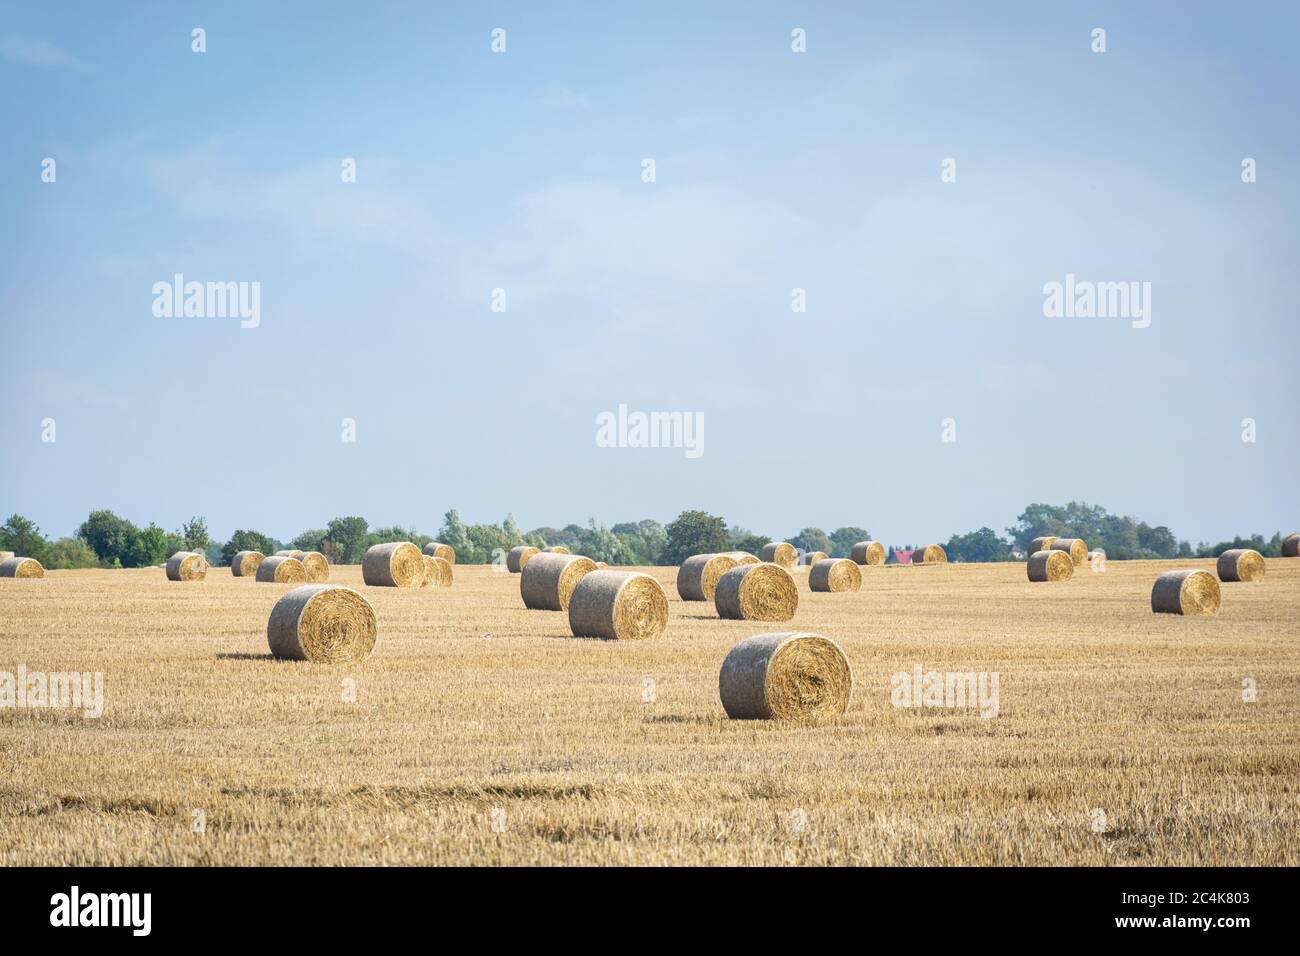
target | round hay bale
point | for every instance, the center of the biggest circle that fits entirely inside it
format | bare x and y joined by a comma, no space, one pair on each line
742,557
437,572
698,576
756,592
285,553
1041,544
436,549
281,569
1076,548
778,552
809,558
868,552
322,623
245,563
547,582
397,564
557,549
1185,592
618,606
16,567
314,563
1291,546
835,574
6,555
297,553
519,556
1241,564
186,566
930,554
789,676
1050,565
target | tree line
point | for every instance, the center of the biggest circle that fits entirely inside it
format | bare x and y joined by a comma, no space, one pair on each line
106,539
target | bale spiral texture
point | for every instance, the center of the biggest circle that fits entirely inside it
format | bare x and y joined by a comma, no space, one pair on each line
16,567
835,574
1185,592
1041,544
756,592
788,676
279,569
618,606
314,563
437,572
930,554
868,552
1050,565
1076,548
778,552
1241,564
1291,546
186,566
547,583
698,576
520,556
397,564
556,549
322,623
436,549
244,563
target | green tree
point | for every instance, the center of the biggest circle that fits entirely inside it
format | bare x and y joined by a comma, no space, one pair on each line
812,539
349,535
981,545
70,553
310,540
243,540
455,533
108,535
695,532
514,537
843,540
600,544
21,536
148,546
195,532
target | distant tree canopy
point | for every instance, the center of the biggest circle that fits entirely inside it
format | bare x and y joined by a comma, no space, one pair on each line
812,539
695,532
247,541
843,540
23,537
981,545
1119,536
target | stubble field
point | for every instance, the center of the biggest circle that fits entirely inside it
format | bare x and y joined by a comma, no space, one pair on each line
482,733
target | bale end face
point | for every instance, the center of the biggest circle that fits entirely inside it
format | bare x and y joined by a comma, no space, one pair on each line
437,572
314,563
1241,564
697,578
868,553
1191,593
322,623
19,567
835,574
789,676
1049,565
756,592
618,606
1076,548
1042,543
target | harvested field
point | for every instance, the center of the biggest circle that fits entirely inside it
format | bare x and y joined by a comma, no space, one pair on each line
475,715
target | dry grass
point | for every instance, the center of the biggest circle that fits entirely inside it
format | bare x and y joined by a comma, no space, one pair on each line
1102,705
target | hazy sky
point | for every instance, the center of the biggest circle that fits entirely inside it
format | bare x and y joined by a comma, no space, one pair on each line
774,170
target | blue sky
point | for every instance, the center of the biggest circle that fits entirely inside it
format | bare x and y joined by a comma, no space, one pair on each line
775,171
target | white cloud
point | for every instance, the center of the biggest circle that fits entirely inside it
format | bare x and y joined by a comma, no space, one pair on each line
34,52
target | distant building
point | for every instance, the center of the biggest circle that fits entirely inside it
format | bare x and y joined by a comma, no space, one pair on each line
903,557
